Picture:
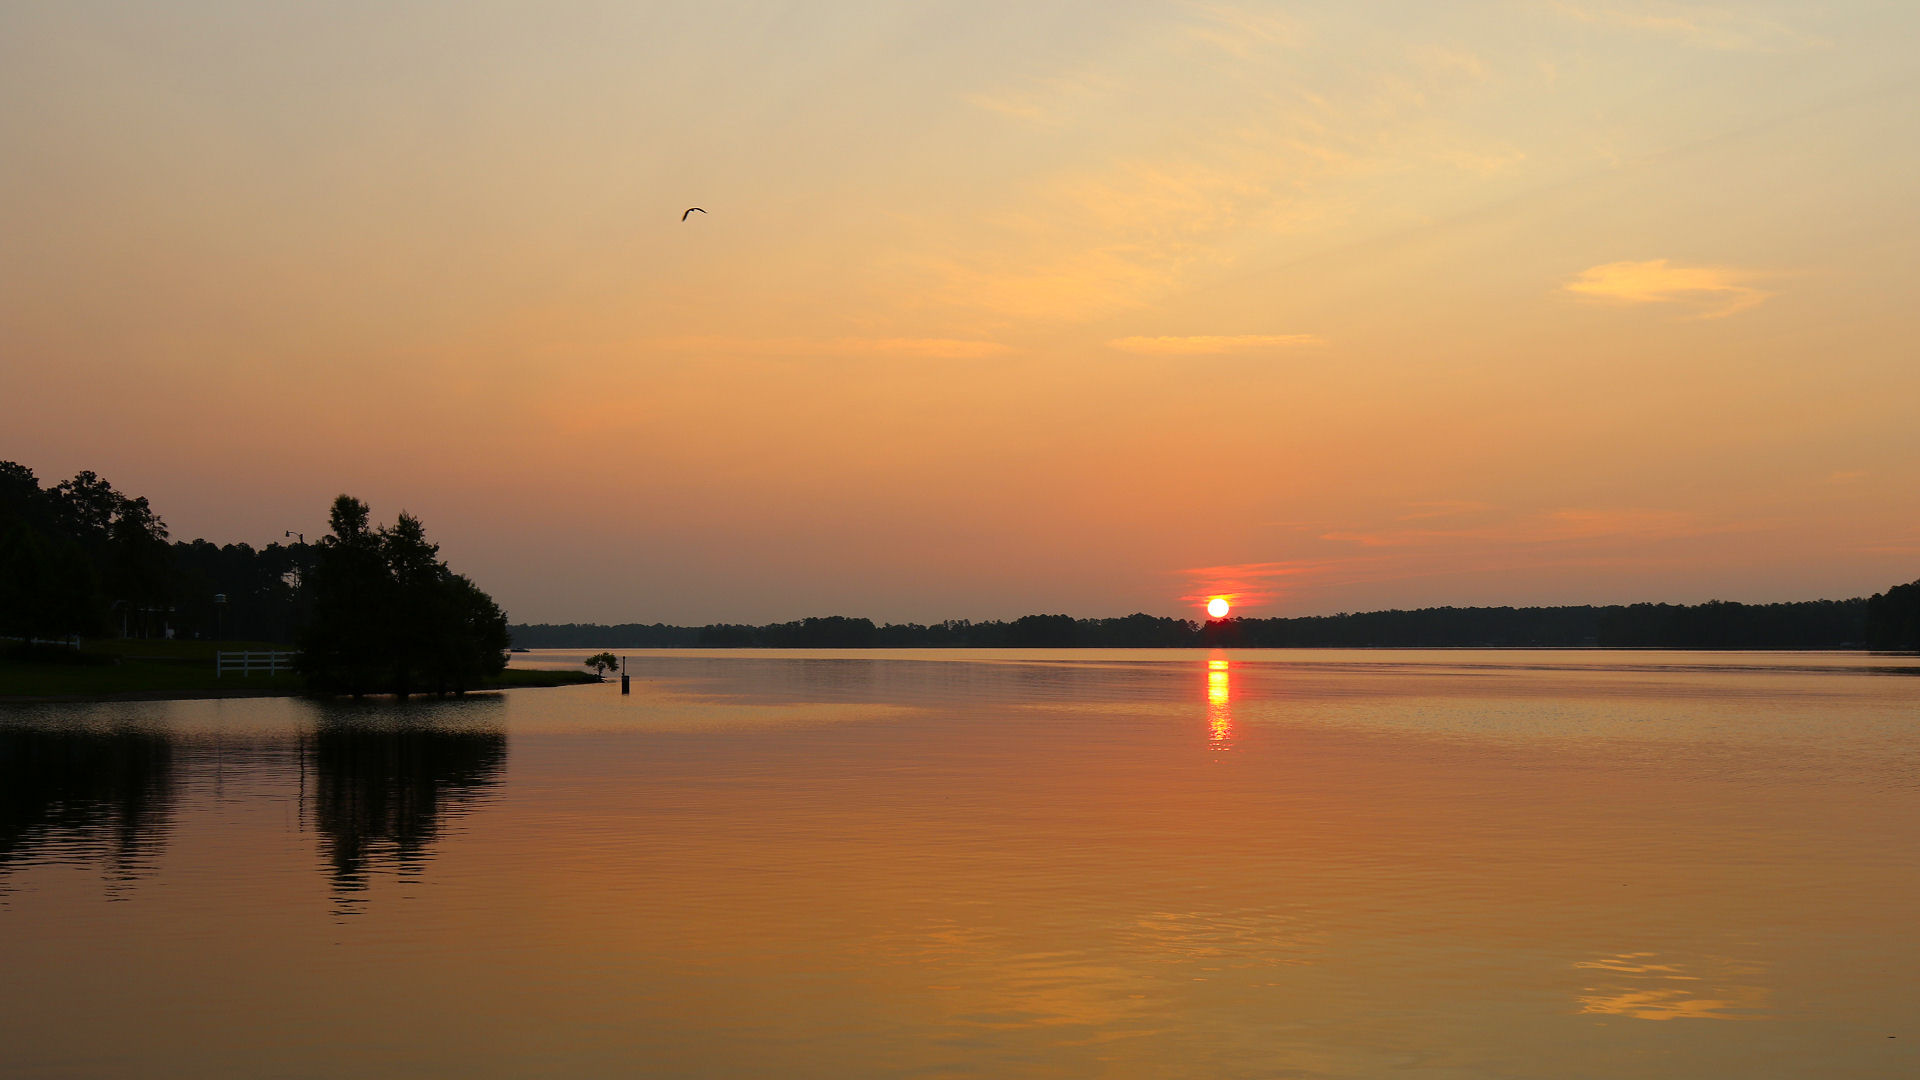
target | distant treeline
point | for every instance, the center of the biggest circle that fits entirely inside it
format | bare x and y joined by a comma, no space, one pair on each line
1887,621
840,632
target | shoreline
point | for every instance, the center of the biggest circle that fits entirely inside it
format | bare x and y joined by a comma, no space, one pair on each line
516,679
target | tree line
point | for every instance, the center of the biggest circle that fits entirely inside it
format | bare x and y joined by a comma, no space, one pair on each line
82,559
79,558
1890,620
372,609
842,632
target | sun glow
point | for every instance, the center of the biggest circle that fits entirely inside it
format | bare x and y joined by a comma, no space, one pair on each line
1218,607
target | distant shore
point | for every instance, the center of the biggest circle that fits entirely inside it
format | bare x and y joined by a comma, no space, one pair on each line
1878,622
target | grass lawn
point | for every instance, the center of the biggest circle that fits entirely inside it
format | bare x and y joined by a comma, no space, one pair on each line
517,677
152,668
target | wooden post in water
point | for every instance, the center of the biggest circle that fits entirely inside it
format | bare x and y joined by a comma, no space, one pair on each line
625,688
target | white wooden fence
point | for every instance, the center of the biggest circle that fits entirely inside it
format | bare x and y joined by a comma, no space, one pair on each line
246,663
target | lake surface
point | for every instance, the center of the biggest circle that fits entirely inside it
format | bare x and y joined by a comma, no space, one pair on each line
1143,863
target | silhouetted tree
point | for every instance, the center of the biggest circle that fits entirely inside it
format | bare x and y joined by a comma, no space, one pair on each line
264,589
349,635
78,558
389,616
48,588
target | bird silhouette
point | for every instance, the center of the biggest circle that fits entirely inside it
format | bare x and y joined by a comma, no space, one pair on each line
690,210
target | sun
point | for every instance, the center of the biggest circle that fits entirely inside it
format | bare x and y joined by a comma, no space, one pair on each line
1218,607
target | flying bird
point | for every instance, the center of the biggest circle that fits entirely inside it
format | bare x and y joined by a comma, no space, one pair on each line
690,210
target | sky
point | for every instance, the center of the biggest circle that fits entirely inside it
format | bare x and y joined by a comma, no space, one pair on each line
995,308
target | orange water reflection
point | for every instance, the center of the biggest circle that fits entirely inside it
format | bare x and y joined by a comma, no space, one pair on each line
1639,985
842,867
1219,704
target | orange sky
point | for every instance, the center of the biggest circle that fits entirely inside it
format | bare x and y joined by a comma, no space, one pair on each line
1094,308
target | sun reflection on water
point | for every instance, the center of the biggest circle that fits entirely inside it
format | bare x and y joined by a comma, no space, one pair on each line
1219,705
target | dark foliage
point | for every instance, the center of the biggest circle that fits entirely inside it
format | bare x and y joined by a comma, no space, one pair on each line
79,558
376,609
388,616
261,593
1893,618
1810,624
831,632
623,636
1818,624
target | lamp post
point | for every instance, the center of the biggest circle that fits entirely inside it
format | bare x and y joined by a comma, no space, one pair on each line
219,613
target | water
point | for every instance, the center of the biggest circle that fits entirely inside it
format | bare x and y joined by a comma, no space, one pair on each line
1154,864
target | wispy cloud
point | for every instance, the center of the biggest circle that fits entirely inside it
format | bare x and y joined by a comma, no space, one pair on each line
923,348
1442,508
1249,149
1070,284
1246,583
1717,291
1238,30
1018,109
1723,29
1455,62
1457,537
1213,344
1092,243
1489,162
1899,545
932,348
1048,103
1556,526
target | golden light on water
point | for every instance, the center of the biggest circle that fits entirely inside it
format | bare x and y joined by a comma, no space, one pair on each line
1219,701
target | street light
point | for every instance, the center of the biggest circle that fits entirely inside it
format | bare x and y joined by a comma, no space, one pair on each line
302,537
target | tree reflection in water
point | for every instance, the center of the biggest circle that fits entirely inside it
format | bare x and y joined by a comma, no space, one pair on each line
378,789
383,791
85,794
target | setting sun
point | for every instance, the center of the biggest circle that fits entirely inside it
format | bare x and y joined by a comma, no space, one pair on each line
1218,607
